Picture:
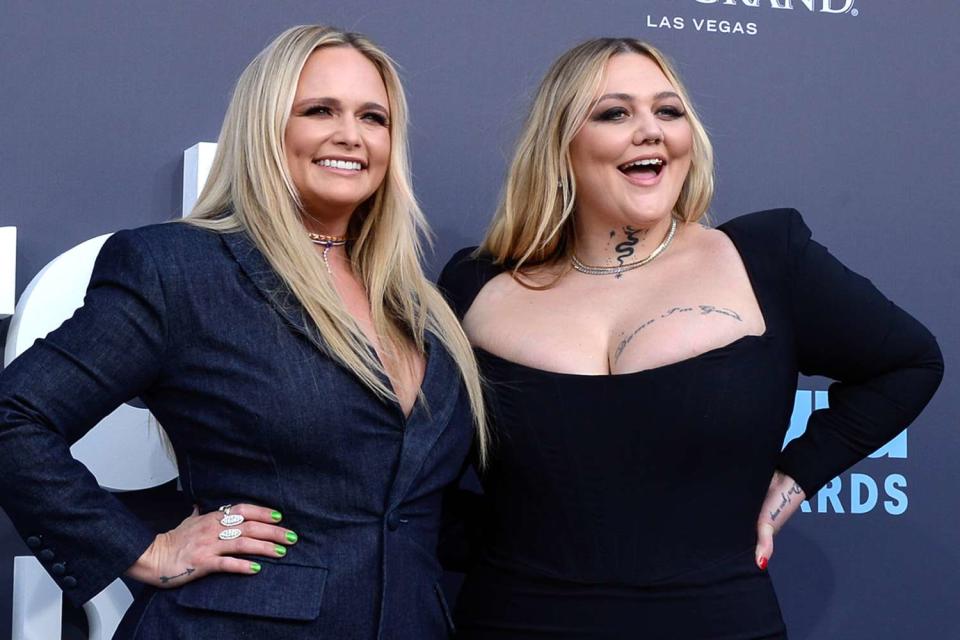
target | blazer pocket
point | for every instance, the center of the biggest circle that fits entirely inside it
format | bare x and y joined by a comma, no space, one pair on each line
287,591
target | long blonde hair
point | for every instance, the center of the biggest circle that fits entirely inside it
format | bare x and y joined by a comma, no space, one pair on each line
249,188
533,224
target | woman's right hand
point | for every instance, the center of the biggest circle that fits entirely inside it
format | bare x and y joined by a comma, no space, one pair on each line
194,549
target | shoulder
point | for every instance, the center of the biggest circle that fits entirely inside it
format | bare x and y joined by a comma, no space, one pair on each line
160,258
170,245
167,236
463,277
774,233
772,225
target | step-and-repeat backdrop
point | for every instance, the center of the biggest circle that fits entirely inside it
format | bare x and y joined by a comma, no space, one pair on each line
844,109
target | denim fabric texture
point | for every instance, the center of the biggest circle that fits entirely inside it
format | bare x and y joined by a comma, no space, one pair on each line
198,326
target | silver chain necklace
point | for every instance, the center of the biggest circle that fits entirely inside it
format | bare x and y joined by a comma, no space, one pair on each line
620,269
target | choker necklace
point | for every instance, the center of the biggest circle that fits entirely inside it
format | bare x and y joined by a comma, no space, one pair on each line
620,269
327,242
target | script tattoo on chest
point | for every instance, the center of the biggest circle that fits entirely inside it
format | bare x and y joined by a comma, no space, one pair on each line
704,309
166,579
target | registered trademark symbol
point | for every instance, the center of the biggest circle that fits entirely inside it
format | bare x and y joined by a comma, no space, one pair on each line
854,12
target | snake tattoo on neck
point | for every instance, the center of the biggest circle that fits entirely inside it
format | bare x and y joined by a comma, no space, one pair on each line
625,249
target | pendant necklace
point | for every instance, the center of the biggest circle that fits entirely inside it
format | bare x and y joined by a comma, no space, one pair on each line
327,242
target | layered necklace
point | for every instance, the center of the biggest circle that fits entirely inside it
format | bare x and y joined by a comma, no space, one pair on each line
327,242
620,269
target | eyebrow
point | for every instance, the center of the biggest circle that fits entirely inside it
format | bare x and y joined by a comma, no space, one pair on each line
626,97
334,102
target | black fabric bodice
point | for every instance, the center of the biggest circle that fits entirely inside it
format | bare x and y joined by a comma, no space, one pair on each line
637,495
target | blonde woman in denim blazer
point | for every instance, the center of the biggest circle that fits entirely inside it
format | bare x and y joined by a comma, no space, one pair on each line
319,385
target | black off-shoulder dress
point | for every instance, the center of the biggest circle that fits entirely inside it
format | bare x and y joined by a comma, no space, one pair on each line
600,526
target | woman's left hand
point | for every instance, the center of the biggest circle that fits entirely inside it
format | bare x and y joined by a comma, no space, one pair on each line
783,499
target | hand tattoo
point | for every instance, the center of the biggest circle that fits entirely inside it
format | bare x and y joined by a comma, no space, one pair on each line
166,579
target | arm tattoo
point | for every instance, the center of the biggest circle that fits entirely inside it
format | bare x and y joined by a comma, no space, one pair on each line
166,579
785,499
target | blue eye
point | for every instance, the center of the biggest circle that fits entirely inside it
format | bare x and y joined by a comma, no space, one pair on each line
317,110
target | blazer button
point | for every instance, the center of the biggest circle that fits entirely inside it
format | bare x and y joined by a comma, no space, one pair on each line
59,569
34,541
69,582
393,521
46,555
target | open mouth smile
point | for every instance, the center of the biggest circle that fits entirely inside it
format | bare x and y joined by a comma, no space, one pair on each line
643,171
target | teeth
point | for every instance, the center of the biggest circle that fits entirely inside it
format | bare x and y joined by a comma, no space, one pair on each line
349,165
645,163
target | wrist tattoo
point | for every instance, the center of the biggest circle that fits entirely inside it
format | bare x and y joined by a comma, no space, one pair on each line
166,579
785,499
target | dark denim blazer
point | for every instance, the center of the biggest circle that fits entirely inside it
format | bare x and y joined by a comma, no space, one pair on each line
200,327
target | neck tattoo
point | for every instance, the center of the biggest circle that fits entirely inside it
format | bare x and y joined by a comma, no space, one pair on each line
625,250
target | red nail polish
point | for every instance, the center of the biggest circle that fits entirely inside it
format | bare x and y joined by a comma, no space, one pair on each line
762,563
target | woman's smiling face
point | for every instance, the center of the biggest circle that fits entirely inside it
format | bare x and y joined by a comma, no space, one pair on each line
337,140
632,155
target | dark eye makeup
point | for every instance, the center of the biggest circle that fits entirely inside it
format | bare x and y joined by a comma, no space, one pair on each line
316,110
377,118
615,114
671,112
612,115
371,116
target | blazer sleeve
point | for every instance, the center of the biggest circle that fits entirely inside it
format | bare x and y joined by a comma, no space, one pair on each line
109,352
886,364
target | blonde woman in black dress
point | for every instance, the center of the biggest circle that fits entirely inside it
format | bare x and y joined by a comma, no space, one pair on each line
642,371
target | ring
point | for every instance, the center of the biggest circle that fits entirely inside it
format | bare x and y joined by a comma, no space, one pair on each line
229,534
231,520
225,509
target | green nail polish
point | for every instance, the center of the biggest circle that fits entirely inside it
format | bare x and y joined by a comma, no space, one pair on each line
276,515
255,567
280,550
291,537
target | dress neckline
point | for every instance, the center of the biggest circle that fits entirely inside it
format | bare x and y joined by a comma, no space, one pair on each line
758,294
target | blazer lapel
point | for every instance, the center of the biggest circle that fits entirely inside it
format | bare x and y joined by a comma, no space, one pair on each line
268,282
441,389
441,381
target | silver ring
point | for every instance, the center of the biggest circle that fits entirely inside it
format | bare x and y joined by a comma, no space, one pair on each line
229,534
225,509
231,520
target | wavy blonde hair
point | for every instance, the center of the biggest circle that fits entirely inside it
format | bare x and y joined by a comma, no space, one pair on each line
533,224
250,189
